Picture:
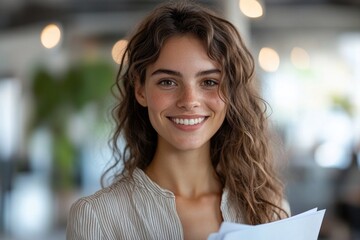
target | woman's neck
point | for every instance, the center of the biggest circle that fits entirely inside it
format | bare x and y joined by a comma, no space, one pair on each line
188,174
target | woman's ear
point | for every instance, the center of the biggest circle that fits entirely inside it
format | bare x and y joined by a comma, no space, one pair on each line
140,93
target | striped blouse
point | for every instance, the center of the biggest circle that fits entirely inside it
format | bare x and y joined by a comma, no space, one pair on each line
138,209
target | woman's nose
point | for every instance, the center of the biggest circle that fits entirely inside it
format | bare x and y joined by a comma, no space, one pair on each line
188,98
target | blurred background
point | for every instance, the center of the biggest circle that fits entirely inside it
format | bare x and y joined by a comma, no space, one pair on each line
59,58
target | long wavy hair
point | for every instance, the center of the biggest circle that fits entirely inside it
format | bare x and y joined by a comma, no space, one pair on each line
240,149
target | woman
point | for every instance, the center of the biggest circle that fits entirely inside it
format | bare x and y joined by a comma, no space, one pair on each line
195,130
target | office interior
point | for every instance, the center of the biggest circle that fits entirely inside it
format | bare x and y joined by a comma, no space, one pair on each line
59,59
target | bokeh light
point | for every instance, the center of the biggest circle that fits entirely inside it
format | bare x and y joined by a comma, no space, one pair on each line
118,50
269,59
251,8
50,36
300,58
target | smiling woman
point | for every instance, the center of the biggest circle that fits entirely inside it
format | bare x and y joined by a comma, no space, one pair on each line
181,88
196,149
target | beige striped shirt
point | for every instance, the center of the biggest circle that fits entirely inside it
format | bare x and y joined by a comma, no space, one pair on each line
131,210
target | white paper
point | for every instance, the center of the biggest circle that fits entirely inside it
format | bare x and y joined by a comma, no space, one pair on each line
304,226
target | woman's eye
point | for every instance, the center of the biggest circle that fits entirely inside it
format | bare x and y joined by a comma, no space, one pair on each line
210,83
167,83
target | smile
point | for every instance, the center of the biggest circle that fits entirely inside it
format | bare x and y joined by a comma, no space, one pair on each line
188,122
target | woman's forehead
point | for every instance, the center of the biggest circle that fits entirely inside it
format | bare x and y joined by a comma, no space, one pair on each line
183,52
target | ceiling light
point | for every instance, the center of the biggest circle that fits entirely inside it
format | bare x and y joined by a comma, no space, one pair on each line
251,8
300,58
269,59
50,36
118,50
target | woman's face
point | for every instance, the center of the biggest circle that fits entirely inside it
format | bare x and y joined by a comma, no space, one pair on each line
181,92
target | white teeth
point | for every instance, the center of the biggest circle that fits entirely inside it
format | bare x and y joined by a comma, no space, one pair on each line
187,122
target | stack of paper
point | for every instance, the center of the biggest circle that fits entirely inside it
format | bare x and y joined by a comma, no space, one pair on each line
304,226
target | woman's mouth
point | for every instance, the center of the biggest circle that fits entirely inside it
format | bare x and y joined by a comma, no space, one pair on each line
188,121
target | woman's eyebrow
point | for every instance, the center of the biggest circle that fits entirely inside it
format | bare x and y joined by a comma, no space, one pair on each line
166,71
178,74
207,72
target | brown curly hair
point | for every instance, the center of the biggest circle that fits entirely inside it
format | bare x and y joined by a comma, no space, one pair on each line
240,149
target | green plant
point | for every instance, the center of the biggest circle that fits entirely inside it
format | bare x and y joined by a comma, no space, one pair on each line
59,96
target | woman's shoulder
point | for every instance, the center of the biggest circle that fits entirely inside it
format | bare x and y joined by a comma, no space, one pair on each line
106,205
102,210
121,194
122,188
